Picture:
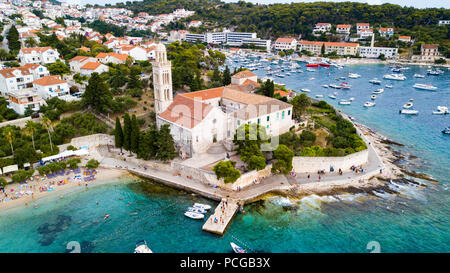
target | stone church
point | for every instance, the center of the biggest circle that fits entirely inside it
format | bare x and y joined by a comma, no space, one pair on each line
209,117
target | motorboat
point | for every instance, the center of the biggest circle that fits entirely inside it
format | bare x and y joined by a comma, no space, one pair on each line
375,81
236,248
345,102
345,86
441,110
409,112
419,76
424,86
312,78
194,215
279,75
396,77
351,99
310,70
141,247
408,105
201,206
312,65
446,131
332,85
354,75
378,91
388,86
332,97
305,90
369,104
324,86
433,72
373,97
324,64
319,96
196,210
288,74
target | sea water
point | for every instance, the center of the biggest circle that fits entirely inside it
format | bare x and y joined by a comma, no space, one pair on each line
414,221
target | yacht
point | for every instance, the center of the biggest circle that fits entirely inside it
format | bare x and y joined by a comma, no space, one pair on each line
369,104
201,206
378,91
375,81
396,77
141,247
280,75
424,86
351,99
354,75
310,70
332,97
433,72
446,131
319,96
305,90
194,215
345,102
324,86
441,110
345,86
409,112
419,76
332,85
388,86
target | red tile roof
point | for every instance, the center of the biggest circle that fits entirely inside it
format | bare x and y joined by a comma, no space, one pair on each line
244,74
49,80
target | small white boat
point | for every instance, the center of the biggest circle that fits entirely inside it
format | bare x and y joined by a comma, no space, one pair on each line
388,86
194,215
373,97
310,70
324,86
441,110
378,91
332,85
408,105
319,96
424,86
236,248
201,206
312,78
369,104
409,112
353,75
332,97
141,247
419,76
305,90
345,102
396,77
375,81
351,99
196,210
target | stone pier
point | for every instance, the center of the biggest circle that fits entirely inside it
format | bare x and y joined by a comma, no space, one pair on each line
223,215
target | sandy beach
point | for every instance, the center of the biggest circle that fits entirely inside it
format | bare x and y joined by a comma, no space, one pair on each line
103,176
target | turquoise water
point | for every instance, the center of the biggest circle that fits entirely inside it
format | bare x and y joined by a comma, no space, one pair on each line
415,221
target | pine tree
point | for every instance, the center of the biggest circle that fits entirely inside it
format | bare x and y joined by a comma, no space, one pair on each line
97,94
216,75
126,132
118,135
13,39
226,80
165,144
134,137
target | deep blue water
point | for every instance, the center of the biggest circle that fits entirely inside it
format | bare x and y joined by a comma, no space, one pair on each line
415,221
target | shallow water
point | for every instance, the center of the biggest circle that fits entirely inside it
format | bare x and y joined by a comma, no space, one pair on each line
415,221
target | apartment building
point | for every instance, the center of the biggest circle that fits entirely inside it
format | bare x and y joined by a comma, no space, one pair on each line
343,29
285,44
21,100
340,48
50,87
38,55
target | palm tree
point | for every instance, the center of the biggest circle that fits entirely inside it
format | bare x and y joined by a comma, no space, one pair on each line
47,125
8,133
31,128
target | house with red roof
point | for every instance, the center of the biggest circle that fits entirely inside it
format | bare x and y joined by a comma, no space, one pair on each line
285,44
90,67
51,86
322,27
38,55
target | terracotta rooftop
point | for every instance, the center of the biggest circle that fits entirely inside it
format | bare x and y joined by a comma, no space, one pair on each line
31,49
284,40
91,65
49,80
244,74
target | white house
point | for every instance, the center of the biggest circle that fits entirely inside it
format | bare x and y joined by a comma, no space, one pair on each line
285,44
386,31
365,33
343,29
111,57
51,86
240,77
38,55
375,52
443,22
194,24
362,26
405,39
136,52
13,79
77,62
322,27
20,100
91,67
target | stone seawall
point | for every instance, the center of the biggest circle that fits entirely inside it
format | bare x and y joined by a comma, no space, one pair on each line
313,164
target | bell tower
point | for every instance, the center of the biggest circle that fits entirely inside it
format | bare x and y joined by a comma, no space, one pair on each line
162,79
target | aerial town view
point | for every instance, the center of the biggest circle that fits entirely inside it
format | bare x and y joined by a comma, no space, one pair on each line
211,126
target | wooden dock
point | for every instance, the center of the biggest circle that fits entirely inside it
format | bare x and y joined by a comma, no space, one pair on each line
223,215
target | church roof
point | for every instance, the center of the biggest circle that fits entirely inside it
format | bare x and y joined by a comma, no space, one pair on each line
186,112
206,94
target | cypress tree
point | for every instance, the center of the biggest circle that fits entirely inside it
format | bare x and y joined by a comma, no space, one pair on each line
226,80
216,75
165,144
118,139
13,39
126,132
134,137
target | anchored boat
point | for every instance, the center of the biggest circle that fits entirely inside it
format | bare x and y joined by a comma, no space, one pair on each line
141,247
424,86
